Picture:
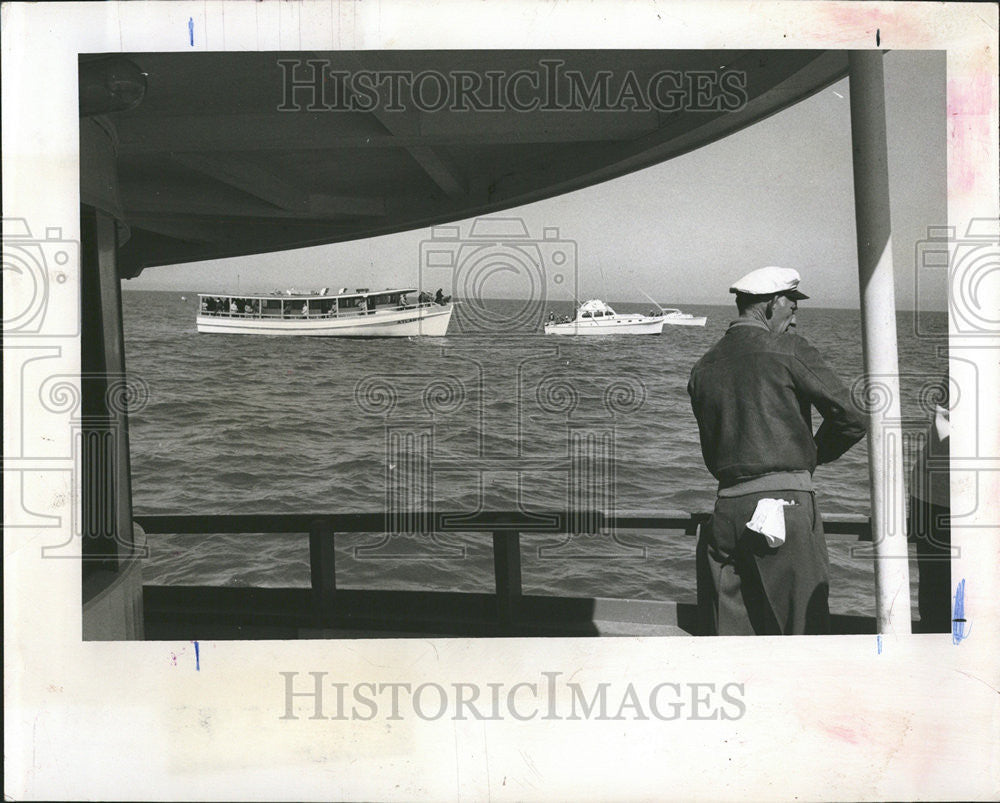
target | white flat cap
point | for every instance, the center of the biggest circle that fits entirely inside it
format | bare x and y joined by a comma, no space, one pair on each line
770,281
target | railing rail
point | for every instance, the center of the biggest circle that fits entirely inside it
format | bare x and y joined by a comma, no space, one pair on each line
557,522
506,528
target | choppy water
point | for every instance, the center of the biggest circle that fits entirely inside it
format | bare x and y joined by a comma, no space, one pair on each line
244,424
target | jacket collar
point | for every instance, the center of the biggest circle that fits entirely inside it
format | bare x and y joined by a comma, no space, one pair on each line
749,322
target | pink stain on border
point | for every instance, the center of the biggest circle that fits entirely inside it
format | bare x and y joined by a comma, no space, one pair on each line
969,105
848,23
842,733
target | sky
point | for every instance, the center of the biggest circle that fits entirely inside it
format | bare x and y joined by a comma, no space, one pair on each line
777,193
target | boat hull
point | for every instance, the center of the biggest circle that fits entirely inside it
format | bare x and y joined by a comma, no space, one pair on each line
692,321
422,322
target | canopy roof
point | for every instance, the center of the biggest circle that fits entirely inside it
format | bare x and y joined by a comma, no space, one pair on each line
312,295
595,305
230,154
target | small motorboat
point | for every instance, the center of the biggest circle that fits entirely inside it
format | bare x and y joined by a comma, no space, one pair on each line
596,318
675,317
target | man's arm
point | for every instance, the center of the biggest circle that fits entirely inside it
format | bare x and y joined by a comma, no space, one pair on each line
843,424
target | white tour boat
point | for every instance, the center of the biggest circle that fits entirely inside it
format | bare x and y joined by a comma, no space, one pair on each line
674,317
363,313
596,318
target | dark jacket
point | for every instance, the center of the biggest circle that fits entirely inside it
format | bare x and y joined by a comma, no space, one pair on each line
752,393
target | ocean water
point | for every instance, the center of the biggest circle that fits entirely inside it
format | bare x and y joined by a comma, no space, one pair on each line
493,416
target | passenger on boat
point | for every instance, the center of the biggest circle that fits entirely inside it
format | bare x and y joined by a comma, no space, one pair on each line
762,561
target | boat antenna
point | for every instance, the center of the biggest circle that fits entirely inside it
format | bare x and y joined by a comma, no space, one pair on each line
651,299
572,295
576,301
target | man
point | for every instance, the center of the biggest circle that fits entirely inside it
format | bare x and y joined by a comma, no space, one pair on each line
752,394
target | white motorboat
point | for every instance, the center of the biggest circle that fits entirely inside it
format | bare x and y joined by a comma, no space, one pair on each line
674,317
596,318
363,313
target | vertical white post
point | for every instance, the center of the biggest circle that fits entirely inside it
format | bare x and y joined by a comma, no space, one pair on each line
878,319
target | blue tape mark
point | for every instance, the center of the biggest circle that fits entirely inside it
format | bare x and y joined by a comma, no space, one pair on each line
958,620
197,658
879,640
191,30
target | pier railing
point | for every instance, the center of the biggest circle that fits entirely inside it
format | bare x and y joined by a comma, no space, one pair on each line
323,609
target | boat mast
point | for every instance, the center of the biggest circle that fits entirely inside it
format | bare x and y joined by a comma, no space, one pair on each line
878,321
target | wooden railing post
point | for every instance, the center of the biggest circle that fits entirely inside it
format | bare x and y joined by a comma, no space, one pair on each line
322,569
507,570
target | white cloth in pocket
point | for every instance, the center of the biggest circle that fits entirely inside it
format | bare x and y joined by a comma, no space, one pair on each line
769,520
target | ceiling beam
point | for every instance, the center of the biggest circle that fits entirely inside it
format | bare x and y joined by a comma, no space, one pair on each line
321,205
154,198
438,166
196,231
321,131
246,176
442,170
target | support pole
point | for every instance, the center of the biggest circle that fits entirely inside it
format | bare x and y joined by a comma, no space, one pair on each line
878,319
105,472
322,571
507,572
